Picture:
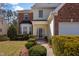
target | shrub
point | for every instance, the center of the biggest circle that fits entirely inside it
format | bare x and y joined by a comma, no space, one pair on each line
32,40
29,44
26,37
23,37
66,45
12,33
32,36
46,38
50,41
4,38
20,37
37,50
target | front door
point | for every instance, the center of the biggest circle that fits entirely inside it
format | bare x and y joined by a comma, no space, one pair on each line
40,33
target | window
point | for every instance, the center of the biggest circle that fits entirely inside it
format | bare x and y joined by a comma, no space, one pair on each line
26,17
0,30
30,30
24,30
40,13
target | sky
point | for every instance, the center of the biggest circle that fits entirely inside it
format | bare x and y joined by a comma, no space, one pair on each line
18,6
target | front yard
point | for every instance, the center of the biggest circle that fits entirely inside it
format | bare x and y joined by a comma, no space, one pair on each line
11,48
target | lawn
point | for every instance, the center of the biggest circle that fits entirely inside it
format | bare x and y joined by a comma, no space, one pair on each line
11,48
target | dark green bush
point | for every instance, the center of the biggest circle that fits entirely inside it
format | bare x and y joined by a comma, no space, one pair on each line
50,41
32,40
26,37
23,37
12,33
19,37
46,38
4,38
66,45
29,44
32,36
37,50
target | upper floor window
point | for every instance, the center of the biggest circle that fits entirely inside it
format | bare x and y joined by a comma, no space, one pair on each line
40,13
26,17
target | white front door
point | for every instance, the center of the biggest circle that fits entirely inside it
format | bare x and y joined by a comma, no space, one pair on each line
69,28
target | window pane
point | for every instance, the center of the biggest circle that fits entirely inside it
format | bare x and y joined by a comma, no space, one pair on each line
41,13
0,30
26,17
24,30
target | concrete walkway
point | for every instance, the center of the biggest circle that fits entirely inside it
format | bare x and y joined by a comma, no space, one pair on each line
49,50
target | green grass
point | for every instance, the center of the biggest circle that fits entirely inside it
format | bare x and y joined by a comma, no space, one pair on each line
11,48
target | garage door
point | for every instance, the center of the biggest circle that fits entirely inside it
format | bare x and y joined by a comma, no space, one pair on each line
69,28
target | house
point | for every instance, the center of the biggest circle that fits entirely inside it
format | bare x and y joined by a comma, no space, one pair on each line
41,12
25,24
3,23
48,19
64,20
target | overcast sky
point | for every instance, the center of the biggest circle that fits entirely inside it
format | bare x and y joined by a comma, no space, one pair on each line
18,6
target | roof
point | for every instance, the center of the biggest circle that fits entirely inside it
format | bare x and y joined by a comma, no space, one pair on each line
25,22
23,11
45,5
58,8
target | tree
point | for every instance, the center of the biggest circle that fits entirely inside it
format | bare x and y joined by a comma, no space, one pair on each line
12,33
9,15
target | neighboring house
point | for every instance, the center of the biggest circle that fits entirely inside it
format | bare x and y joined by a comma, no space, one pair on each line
41,11
3,26
25,24
3,23
64,20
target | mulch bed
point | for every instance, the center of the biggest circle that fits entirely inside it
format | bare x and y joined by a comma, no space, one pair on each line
24,52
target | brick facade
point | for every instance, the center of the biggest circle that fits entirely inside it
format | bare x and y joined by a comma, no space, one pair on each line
20,17
31,16
65,14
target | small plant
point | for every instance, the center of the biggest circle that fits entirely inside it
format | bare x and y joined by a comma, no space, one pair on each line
37,50
29,44
26,37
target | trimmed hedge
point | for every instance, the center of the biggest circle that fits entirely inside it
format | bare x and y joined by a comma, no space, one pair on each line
4,38
31,42
65,45
28,45
19,37
24,37
37,50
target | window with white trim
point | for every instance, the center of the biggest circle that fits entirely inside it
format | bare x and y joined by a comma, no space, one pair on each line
24,30
40,13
